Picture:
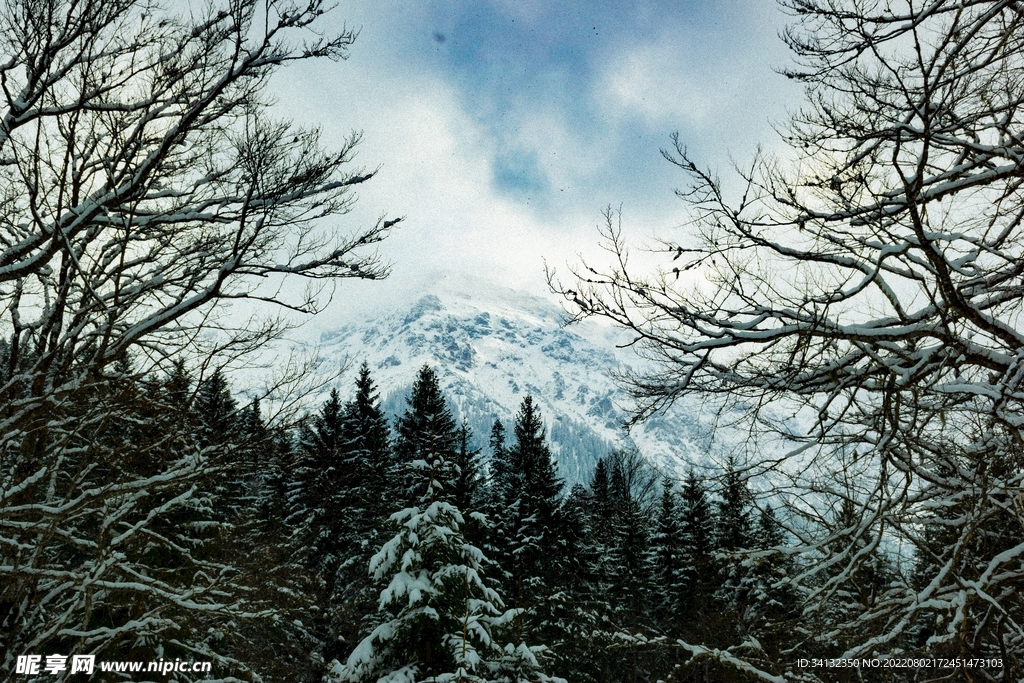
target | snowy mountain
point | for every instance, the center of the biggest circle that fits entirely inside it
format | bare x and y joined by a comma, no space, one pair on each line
490,347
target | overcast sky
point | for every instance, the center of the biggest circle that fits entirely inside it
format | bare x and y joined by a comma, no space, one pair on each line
502,128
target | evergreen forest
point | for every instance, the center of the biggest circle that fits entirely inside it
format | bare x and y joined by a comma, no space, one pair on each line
363,550
849,301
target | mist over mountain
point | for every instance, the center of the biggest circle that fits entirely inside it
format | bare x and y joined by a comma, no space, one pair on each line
492,346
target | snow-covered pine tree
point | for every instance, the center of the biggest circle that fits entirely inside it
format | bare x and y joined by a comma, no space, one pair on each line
733,523
500,485
499,475
215,409
366,445
600,489
440,621
577,651
254,435
365,452
217,421
497,439
263,551
501,505
632,488
631,491
773,602
532,550
600,512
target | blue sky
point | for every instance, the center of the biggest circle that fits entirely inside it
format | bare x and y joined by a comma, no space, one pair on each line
502,128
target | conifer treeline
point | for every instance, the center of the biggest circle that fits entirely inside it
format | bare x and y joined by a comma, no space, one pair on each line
556,575
407,555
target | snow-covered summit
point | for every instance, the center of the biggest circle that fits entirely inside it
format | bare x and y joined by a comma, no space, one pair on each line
490,347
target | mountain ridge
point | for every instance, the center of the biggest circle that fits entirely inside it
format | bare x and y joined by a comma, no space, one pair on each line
490,348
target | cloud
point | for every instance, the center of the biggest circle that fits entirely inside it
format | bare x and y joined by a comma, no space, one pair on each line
502,144
716,83
439,168
658,83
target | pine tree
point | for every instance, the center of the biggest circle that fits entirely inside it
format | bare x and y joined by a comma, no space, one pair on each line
324,437
320,497
734,533
631,571
601,523
248,476
468,484
469,491
266,554
497,442
668,558
426,432
697,614
500,505
532,508
177,388
218,429
734,525
324,481
254,434
577,605
365,437
601,491
501,477
215,409
631,486
232,523
440,621
533,458
773,601
364,451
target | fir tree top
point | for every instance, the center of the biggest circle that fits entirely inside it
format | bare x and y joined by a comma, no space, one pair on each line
427,434
531,455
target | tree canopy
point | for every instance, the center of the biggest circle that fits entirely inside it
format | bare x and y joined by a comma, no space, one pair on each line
857,303
146,182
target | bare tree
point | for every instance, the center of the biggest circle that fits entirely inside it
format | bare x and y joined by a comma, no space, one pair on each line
860,304
144,184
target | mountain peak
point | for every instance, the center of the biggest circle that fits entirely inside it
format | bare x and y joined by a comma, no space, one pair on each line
492,347
427,304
